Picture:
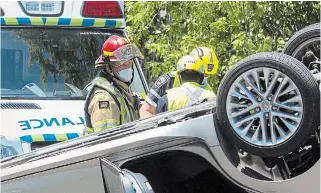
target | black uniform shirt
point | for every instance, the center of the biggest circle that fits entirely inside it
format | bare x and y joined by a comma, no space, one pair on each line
163,83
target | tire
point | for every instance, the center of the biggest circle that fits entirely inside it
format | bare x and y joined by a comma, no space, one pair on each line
300,38
303,80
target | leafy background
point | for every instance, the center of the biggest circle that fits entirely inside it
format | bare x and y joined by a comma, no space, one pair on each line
167,30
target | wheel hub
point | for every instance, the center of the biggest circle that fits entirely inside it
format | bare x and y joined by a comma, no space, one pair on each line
266,106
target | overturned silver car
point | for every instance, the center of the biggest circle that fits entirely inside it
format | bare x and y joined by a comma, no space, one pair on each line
260,135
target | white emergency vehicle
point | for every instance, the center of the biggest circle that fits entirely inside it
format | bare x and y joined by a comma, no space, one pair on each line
48,51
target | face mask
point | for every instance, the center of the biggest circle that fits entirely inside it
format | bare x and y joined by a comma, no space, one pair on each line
125,75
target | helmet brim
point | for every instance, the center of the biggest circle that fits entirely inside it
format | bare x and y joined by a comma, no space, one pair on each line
127,52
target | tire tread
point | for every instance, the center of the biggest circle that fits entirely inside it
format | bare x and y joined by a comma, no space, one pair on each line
300,36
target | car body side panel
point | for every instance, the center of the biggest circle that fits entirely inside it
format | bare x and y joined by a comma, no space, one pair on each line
190,129
79,177
182,136
19,123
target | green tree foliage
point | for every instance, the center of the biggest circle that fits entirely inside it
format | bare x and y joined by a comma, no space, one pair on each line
167,30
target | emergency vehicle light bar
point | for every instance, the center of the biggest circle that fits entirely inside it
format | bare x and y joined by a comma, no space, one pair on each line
102,9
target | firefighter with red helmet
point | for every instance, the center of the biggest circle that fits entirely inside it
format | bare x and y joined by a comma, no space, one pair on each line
110,101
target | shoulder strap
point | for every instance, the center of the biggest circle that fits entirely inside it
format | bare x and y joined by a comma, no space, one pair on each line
103,84
109,89
193,96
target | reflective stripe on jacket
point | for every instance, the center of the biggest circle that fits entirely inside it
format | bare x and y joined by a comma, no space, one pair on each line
187,94
126,113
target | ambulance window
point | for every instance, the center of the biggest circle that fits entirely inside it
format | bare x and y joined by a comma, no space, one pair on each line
51,62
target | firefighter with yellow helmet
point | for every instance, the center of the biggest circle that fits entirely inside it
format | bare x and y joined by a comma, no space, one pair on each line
190,70
209,60
110,101
171,80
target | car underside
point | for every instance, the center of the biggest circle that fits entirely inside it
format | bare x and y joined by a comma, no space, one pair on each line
195,157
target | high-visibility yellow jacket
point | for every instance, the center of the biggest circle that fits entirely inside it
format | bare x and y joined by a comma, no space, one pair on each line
187,94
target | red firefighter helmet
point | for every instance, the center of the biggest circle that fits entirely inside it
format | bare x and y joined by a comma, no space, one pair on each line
119,49
111,44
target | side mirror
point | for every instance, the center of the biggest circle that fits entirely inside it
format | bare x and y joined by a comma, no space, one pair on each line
124,181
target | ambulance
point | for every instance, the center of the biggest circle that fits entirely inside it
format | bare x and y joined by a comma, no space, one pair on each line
48,49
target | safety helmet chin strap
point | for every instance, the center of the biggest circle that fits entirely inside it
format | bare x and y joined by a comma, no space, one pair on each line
107,60
133,74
